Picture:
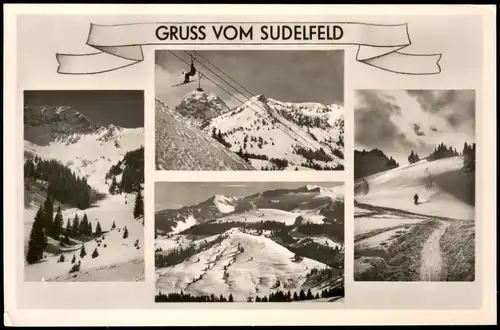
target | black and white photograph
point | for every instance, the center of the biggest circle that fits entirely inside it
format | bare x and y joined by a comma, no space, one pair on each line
265,110
414,167
84,185
249,242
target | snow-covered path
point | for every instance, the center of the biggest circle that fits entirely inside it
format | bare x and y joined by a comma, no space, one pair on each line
446,195
430,269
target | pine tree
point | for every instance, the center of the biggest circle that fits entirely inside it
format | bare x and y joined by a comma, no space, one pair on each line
75,230
139,205
61,258
230,295
113,186
37,240
317,296
48,209
58,223
95,254
73,259
98,230
125,232
309,295
68,227
113,226
85,225
295,296
302,295
83,253
413,157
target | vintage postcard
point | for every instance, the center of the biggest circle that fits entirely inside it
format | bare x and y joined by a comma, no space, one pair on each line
249,164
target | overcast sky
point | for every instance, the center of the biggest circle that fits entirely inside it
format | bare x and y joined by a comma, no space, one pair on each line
123,108
173,195
288,76
398,121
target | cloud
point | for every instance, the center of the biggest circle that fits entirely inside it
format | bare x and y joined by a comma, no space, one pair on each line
399,121
373,118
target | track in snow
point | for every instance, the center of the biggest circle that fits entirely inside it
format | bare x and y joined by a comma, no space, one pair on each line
431,267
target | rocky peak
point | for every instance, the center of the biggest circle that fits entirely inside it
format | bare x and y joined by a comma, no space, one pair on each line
200,106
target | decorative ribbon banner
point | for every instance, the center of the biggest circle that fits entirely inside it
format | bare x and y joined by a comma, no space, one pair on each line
120,45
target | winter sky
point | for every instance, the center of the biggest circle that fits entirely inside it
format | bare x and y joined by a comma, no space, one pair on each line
173,195
284,75
123,108
398,121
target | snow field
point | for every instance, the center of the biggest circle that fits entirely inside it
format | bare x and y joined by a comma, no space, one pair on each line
382,240
118,250
281,137
397,187
365,225
94,155
179,146
252,272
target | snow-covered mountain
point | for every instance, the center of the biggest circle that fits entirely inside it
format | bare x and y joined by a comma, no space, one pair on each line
201,106
294,132
283,205
88,150
43,125
182,146
270,133
276,240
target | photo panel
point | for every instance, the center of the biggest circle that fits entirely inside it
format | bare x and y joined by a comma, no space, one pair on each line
414,191
249,242
238,110
83,186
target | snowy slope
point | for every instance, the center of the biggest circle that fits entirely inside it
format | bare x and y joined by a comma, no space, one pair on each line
181,146
441,186
118,250
91,155
275,129
252,272
88,150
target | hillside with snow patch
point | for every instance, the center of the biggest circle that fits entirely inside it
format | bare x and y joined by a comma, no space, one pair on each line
443,187
88,150
249,246
304,134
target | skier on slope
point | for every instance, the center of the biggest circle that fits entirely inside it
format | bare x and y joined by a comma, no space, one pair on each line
415,199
